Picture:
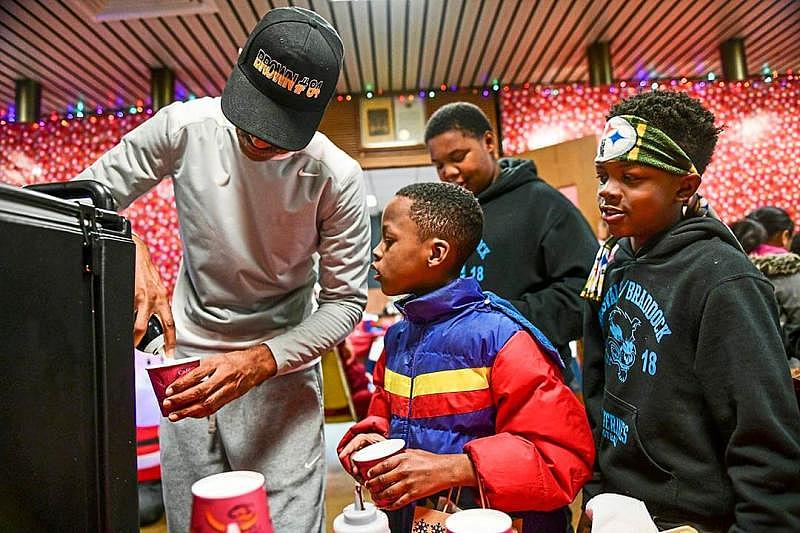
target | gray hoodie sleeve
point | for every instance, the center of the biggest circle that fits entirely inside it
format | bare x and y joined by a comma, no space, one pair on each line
143,157
344,262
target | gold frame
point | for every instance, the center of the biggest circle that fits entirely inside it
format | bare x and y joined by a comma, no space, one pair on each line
381,120
377,122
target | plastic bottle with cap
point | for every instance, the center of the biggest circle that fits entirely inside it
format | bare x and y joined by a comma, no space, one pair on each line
153,341
361,517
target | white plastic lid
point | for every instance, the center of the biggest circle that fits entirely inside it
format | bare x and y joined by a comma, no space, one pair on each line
228,484
379,450
365,516
478,521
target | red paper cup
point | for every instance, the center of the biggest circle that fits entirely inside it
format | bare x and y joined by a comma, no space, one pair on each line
478,521
165,374
369,456
230,502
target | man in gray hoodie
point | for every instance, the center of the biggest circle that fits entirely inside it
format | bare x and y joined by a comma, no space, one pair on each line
267,206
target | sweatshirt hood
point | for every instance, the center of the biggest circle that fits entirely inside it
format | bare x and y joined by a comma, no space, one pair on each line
513,173
678,237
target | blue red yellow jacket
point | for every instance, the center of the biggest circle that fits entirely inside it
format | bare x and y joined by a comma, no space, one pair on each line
465,373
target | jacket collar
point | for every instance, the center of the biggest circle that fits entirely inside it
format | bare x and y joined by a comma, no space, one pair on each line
444,301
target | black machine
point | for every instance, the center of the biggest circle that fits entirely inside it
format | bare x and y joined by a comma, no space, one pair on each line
67,451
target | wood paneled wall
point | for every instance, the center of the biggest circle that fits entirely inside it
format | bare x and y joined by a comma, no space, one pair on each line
571,163
341,125
568,163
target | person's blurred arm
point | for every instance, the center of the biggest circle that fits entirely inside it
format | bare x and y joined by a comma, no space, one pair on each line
787,292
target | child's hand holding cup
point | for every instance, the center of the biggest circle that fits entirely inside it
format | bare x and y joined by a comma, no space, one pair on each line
369,456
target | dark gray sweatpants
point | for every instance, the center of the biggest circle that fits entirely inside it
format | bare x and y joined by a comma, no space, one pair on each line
276,429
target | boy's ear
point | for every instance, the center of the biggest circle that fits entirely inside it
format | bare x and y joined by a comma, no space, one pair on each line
439,252
687,186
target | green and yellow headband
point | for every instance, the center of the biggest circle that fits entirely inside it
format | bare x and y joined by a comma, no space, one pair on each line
630,138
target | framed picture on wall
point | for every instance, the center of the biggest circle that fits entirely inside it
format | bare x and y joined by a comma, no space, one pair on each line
377,122
391,121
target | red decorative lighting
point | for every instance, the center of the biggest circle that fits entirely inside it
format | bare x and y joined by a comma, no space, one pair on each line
757,158
59,150
756,163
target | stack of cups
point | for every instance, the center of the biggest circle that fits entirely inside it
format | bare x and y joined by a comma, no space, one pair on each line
233,502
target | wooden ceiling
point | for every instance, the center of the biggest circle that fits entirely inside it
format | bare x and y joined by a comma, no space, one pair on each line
393,45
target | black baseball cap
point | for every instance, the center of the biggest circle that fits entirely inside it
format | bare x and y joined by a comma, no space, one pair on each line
284,78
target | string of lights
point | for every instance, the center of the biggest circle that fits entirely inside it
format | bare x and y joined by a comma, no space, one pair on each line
757,158
756,163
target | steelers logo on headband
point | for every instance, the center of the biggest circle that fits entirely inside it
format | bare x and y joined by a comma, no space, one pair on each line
619,136
631,138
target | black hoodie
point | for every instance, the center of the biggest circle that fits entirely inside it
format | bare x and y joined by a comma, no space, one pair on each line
536,251
687,386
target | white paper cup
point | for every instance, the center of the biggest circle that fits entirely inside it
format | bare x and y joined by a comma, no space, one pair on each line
478,521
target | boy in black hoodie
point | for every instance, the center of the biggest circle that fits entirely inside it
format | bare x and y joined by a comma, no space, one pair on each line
686,383
537,247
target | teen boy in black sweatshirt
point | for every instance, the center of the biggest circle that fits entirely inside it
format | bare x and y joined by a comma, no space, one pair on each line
686,382
537,247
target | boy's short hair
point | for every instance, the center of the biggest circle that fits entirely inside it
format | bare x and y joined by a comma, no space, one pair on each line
463,116
446,211
683,118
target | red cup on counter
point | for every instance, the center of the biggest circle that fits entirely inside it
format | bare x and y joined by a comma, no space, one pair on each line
478,521
369,456
230,502
163,375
